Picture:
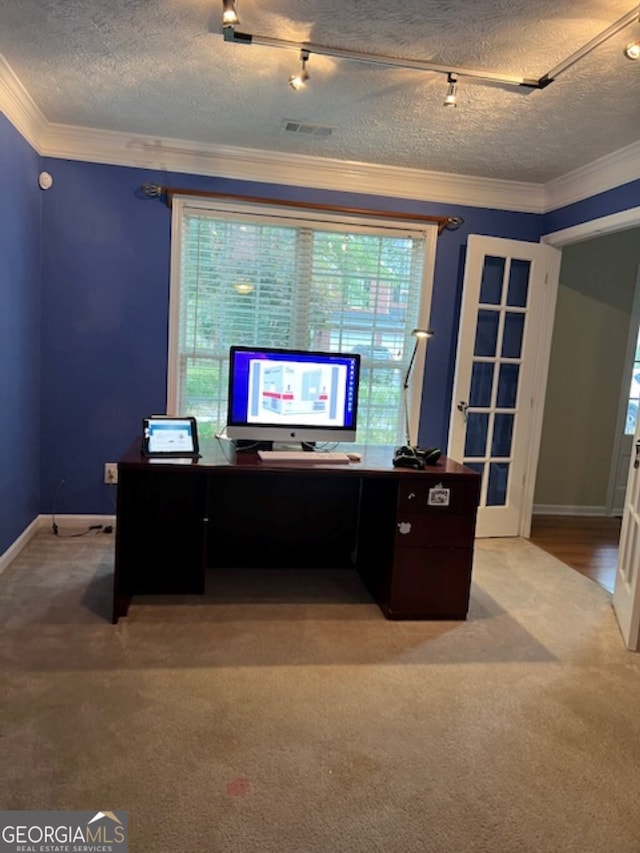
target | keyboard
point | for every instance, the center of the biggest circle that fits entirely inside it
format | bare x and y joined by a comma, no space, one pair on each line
314,457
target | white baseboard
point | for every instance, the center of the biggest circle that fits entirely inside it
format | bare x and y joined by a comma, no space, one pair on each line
21,542
78,522
64,522
562,509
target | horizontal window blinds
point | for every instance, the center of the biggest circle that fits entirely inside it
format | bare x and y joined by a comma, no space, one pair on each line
247,279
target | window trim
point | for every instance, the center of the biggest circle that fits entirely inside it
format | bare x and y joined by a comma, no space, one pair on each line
187,204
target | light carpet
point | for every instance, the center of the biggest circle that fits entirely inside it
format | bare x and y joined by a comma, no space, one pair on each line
281,712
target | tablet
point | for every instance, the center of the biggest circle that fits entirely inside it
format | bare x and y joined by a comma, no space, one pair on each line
166,437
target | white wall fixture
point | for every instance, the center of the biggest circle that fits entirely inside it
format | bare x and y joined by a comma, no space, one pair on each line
45,181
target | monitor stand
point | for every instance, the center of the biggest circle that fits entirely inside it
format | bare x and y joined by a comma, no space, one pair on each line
247,444
294,446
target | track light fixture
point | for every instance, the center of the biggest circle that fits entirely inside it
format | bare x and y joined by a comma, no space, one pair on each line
229,14
230,20
451,98
298,81
632,50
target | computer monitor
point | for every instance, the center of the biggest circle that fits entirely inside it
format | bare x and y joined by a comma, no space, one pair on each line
291,396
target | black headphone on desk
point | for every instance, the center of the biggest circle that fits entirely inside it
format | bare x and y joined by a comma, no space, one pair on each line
415,457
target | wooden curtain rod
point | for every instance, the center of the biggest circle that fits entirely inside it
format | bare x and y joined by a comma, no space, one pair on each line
448,223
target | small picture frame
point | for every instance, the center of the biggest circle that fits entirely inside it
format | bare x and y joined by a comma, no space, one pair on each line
439,496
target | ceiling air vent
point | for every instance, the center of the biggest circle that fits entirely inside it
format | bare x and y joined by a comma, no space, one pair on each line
306,129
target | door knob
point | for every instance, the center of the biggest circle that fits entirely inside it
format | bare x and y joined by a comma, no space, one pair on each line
462,407
636,461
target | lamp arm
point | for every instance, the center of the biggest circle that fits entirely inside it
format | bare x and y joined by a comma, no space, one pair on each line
405,392
410,367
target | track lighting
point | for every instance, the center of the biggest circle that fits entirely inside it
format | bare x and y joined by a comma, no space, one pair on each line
451,98
298,81
632,50
229,13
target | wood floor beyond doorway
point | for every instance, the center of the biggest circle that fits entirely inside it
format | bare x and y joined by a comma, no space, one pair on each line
587,544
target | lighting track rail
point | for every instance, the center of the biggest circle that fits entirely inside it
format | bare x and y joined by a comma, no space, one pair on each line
231,34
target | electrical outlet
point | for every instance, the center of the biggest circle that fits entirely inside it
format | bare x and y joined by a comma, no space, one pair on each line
111,473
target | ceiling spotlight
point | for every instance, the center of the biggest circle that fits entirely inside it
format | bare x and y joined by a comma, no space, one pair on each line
297,81
451,98
229,13
632,50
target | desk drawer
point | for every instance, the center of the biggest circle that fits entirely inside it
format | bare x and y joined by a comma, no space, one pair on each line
455,495
430,583
434,530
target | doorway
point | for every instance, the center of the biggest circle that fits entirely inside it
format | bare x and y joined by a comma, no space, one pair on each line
587,545
584,413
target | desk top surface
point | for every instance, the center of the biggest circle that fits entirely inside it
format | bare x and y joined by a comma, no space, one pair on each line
376,461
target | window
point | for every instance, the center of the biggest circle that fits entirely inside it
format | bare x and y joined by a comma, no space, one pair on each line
244,276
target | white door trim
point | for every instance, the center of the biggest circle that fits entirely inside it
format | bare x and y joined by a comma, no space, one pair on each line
594,228
543,357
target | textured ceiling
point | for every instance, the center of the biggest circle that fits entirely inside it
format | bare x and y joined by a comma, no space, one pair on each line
162,68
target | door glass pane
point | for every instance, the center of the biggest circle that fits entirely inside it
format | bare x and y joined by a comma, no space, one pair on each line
518,283
492,278
634,393
476,438
508,385
513,330
481,382
497,486
502,433
486,333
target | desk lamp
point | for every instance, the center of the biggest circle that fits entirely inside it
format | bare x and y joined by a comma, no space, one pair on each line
410,456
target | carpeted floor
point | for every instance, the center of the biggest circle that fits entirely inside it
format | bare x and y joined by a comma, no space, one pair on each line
282,713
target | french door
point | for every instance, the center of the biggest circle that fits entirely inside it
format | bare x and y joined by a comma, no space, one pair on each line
504,340
626,593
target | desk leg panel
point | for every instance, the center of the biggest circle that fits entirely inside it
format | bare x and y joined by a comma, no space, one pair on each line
161,533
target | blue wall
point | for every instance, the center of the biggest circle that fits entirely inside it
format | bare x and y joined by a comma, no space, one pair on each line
106,259
624,197
105,293
19,334
104,337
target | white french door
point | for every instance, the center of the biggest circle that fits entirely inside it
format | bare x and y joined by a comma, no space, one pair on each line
501,367
626,593
627,413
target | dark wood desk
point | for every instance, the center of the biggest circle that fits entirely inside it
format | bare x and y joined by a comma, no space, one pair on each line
409,534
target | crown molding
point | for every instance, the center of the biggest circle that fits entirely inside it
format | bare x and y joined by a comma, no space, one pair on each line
19,107
183,156
186,157
603,174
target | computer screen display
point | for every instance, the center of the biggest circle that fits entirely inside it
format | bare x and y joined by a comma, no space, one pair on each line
168,436
292,395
